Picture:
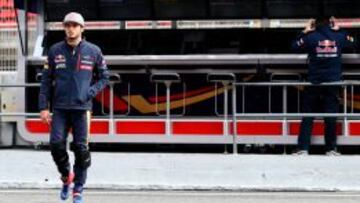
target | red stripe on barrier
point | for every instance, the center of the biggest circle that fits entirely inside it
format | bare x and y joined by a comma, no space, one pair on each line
34,126
216,128
97,127
101,127
198,128
354,129
259,128
318,129
140,127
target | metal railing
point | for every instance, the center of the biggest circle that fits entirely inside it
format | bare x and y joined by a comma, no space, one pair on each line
201,24
131,61
26,114
285,116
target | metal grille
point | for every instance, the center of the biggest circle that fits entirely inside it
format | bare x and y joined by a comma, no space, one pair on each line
8,37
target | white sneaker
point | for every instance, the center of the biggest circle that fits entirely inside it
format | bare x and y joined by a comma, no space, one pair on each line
301,153
332,153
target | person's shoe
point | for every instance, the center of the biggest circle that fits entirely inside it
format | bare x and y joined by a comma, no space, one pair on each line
65,190
332,153
301,153
77,193
77,197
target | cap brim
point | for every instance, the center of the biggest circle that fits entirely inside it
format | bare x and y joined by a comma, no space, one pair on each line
66,22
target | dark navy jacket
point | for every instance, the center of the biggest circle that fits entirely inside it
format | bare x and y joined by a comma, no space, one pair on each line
73,76
325,47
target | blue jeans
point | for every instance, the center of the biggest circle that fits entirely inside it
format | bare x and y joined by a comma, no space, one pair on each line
79,122
315,97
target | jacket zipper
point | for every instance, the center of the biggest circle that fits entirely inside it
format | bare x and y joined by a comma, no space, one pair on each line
78,59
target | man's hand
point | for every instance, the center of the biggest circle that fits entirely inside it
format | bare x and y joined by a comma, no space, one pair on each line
45,116
334,24
310,26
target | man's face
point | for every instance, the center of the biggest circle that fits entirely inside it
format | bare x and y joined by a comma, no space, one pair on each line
73,30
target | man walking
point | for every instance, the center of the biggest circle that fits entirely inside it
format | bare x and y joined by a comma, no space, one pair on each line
324,42
74,73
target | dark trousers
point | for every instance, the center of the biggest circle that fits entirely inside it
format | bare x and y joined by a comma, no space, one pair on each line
79,122
319,99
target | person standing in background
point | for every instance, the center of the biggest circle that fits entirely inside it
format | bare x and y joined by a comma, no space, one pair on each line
323,41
